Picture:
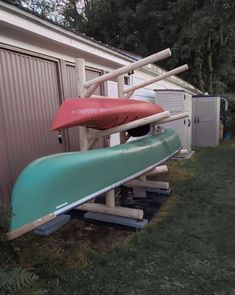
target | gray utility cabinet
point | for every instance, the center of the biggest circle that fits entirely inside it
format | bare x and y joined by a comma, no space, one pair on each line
177,102
205,120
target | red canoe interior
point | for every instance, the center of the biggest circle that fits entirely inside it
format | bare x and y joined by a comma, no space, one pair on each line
102,113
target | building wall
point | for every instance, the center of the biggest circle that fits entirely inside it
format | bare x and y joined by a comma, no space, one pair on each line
31,90
37,72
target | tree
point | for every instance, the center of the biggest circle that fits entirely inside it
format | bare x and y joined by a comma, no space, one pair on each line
206,40
199,32
49,9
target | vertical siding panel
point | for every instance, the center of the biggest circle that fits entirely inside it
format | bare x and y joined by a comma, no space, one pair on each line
4,164
72,92
29,99
91,74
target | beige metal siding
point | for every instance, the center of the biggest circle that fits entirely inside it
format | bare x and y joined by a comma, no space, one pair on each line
29,94
70,91
92,74
71,83
4,164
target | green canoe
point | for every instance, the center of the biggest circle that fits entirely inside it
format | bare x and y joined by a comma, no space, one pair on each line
54,184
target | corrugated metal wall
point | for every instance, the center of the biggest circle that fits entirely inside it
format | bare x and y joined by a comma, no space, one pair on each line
70,90
29,94
4,164
31,90
91,74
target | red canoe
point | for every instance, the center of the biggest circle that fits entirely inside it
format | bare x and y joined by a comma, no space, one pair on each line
102,113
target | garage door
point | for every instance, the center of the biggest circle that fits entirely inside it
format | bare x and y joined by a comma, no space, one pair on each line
29,99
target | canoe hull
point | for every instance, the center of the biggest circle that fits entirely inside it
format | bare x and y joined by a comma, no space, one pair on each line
102,113
58,183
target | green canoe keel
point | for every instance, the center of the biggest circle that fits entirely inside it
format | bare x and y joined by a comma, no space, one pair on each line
54,184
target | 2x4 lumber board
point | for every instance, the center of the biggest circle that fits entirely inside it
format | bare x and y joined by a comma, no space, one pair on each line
53,225
148,183
166,192
131,67
31,226
136,123
139,192
129,222
119,211
158,78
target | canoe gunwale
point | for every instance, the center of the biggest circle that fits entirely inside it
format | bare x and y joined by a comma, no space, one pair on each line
111,187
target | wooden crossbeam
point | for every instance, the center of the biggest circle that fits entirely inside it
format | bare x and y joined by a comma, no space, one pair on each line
136,123
156,79
131,67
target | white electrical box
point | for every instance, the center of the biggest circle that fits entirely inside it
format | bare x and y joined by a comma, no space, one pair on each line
205,120
177,102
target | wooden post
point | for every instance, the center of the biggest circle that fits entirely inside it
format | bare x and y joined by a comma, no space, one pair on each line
110,199
110,196
120,86
81,76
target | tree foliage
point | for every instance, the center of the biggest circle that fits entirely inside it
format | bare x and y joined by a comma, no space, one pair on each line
199,32
50,9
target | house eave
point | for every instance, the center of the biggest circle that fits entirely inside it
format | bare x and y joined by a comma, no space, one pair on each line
44,31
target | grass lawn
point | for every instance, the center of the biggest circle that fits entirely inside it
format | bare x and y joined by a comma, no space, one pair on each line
189,247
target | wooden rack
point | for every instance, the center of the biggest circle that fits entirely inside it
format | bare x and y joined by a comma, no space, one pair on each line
86,138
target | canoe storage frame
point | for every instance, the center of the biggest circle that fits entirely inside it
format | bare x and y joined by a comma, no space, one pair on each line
87,139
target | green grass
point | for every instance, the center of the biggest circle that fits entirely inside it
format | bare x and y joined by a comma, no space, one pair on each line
189,248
